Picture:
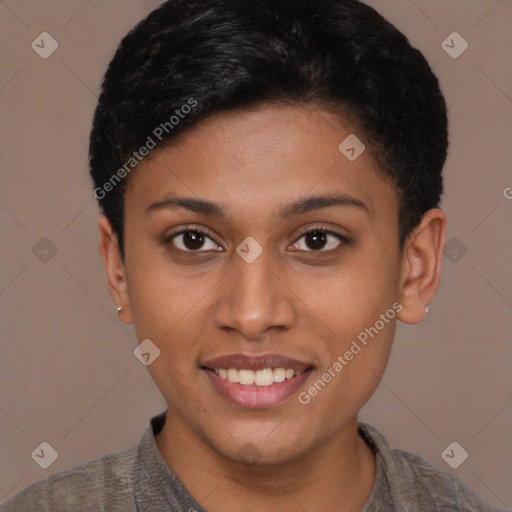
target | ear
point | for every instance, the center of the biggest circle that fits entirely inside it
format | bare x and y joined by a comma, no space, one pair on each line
421,266
114,269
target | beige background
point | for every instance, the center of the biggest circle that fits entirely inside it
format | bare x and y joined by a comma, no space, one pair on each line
68,375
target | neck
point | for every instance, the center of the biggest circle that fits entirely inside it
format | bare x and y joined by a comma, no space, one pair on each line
338,474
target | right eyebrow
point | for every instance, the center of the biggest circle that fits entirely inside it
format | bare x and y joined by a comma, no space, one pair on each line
192,204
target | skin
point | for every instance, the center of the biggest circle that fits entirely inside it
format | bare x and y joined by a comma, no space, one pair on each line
294,300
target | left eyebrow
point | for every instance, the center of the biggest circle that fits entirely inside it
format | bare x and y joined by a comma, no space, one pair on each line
312,203
301,206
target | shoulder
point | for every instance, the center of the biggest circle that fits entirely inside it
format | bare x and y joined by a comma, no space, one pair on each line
429,484
104,483
415,481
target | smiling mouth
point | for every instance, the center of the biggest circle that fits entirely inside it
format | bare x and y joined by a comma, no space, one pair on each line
256,381
263,377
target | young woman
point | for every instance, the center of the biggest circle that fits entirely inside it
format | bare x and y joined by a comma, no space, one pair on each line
269,175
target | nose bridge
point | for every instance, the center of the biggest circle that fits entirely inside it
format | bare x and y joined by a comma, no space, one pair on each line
254,298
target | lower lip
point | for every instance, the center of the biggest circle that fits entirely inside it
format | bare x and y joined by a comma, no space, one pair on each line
257,397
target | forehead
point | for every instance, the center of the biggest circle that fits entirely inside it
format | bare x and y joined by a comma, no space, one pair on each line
254,160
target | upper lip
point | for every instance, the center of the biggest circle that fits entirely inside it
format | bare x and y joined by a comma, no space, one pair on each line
244,362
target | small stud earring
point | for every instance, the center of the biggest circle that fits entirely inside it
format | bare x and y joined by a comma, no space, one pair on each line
119,309
427,308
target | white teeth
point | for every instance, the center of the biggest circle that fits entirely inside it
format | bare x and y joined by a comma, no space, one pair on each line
279,374
264,377
232,375
246,377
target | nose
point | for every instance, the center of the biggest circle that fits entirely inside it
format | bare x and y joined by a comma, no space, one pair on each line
254,300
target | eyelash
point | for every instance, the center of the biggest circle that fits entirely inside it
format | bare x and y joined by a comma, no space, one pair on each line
195,229
343,239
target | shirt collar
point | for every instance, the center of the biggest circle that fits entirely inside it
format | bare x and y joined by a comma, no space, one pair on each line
157,489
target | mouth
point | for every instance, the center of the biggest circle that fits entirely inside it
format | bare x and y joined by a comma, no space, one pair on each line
256,382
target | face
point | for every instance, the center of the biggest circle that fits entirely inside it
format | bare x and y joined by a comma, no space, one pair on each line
255,250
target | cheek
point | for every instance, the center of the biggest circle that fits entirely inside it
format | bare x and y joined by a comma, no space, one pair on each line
351,297
351,374
355,310
156,290
169,307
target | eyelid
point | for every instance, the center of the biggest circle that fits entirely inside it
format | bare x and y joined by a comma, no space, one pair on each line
187,228
324,229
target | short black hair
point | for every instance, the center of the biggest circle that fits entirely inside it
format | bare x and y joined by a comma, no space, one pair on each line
190,59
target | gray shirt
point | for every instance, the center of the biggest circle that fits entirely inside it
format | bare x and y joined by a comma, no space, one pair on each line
138,479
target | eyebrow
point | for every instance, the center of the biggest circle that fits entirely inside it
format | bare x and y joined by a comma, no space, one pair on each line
303,205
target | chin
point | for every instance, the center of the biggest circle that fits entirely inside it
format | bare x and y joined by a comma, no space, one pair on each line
257,450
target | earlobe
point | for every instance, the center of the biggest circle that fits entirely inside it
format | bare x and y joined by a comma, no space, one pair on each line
114,269
421,266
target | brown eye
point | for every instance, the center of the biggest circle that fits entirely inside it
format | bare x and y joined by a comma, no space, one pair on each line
192,240
316,239
319,240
